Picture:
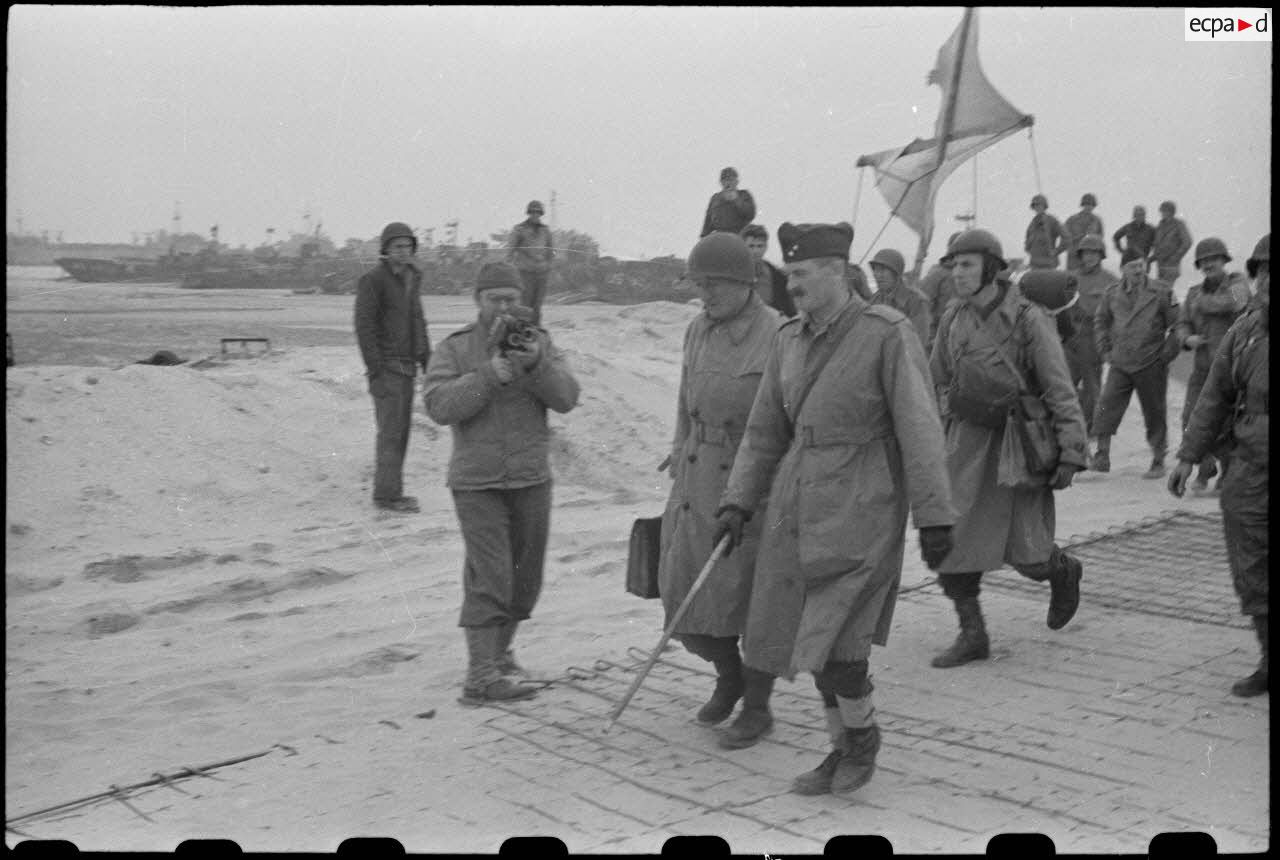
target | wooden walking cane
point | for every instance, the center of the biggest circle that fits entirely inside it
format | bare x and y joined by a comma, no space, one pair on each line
666,634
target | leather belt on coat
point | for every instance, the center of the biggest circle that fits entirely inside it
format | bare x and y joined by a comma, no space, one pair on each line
821,437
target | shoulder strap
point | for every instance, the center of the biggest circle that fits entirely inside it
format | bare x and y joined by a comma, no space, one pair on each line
1017,325
834,338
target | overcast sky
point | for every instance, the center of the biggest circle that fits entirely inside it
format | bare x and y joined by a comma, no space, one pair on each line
252,115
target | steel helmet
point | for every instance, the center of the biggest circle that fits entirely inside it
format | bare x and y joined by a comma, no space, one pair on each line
1039,198
890,259
722,255
1261,254
1088,200
1049,288
397,230
1211,247
977,242
1169,206
1092,242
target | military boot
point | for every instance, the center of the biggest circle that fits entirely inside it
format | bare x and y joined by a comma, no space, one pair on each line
484,682
858,764
729,686
1157,468
755,720
506,658
818,780
1256,684
972,643
1101,459
1064,589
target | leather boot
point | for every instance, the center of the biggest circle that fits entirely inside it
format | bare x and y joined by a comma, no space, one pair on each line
1101,460
484,680
972,643
729,687
506,656
1256,684
1064,589
755,720
858,764
818,780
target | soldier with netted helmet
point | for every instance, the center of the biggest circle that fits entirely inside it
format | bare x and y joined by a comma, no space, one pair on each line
491,383
888,268
994,346
391,331
531,249
1236,398
843,439
1172,242
725,348
1210,308
1092,280
1076,227
1045,239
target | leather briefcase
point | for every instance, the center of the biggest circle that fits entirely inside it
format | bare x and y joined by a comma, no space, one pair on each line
642,557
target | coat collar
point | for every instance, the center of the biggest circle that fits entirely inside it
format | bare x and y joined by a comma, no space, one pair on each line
739,326
854,303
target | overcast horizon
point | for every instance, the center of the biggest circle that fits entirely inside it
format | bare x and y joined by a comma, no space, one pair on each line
251,116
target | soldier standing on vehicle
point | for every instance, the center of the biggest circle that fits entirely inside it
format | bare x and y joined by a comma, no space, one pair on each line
1209,310
731,208
993,345
531,249
1045,238
725,348
1130,327
1083,223
1138,236
1173,241
843,437
1083,360
771,283
495,400
1236,393
887,267
391,331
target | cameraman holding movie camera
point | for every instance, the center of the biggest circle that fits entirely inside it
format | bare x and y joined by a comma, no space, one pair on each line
491,382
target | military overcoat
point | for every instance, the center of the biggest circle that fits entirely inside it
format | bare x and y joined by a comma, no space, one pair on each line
839,477
723,364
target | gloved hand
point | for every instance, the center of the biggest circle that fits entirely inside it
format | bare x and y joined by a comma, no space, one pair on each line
935,545
729,521
1178,477
1062,476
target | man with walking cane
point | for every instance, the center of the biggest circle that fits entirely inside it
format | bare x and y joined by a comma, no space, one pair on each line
842,437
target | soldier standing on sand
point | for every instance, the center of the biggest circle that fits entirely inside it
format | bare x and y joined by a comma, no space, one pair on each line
1045,239
731,208
1083,223
495,403
887,267
1083,360
1130,327
1172,242
1209,310
391,331
842,436
725,348
771,283
992,345
1236,392
530,250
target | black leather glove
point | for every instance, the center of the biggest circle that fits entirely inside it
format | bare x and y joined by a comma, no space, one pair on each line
1062,476
729,521
935,545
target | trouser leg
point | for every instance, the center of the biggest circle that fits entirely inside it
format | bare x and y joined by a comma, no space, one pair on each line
487,574
530,523
393,405
535,289
1152,384
1113,402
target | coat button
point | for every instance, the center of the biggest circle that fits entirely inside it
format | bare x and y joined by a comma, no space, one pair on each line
685,506
693,458
724,467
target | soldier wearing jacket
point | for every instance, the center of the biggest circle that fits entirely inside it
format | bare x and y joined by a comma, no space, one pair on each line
495,402
1076,227
531,249
1045,238
1172,242
887,267
839,469
990,331
1210,308
725,348
1236,394
391,331
771,283
1130,327
1092,280
731,208
1138,236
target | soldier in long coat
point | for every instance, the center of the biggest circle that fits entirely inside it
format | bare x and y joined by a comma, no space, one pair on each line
839,468
1237,393
1092,280
998,524
725,348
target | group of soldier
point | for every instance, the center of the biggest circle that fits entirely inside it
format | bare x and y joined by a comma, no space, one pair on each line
812,417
